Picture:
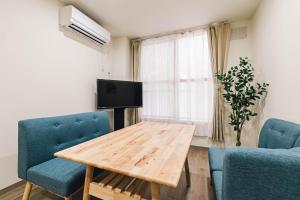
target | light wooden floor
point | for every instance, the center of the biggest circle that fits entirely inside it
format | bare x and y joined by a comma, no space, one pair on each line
200,184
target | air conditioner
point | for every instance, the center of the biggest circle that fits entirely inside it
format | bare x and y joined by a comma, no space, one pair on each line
71,18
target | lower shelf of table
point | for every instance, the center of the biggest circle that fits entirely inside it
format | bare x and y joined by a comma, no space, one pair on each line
112,186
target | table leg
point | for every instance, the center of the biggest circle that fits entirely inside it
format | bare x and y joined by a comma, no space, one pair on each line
187,173
154,191
88,179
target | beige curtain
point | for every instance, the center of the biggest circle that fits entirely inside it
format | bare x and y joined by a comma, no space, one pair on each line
135,50
219,38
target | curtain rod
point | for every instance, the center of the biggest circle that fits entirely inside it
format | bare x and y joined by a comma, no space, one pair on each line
180,31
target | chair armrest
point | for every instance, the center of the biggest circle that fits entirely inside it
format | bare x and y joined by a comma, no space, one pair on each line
256,173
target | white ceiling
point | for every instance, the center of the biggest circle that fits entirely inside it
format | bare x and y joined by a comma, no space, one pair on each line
137,18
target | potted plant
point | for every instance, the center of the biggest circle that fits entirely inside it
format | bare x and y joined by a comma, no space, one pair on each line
241,93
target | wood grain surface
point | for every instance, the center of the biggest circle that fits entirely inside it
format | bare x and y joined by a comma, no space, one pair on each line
150,151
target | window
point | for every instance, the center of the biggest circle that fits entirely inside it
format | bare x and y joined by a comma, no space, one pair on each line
177,79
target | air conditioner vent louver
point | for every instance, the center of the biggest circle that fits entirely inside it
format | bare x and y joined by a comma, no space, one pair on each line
73,19
87,34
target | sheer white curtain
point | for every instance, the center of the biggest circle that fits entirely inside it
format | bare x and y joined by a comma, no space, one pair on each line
177,78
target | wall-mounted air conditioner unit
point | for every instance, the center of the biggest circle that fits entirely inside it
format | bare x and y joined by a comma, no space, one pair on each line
72,18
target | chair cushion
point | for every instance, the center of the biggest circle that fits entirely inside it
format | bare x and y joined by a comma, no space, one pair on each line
217,181
279,134
216,157
57,175
40,138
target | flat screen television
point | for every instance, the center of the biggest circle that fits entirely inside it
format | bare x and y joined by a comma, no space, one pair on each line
119,94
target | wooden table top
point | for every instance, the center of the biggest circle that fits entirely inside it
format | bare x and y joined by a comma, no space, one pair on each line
151,151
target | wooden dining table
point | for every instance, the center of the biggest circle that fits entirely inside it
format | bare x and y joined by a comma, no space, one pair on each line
147,152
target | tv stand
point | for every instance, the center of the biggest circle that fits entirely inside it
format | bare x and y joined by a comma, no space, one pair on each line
118,118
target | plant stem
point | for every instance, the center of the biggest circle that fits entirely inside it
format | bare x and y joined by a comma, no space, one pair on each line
238,137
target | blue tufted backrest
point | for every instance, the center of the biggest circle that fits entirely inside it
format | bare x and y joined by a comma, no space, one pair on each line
40,138
279,134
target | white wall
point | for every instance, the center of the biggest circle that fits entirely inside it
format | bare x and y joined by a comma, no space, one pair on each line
240,47
121,59
42,73
276,50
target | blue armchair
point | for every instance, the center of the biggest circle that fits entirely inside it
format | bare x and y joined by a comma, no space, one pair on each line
269,172
40,138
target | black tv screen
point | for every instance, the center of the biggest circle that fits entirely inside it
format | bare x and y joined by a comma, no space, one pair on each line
119,94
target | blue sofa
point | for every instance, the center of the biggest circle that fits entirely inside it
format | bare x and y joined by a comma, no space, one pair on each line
269,172
39,139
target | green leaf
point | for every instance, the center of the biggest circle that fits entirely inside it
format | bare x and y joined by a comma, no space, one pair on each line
240,91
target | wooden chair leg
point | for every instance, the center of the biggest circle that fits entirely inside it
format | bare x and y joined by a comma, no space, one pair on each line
27,191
